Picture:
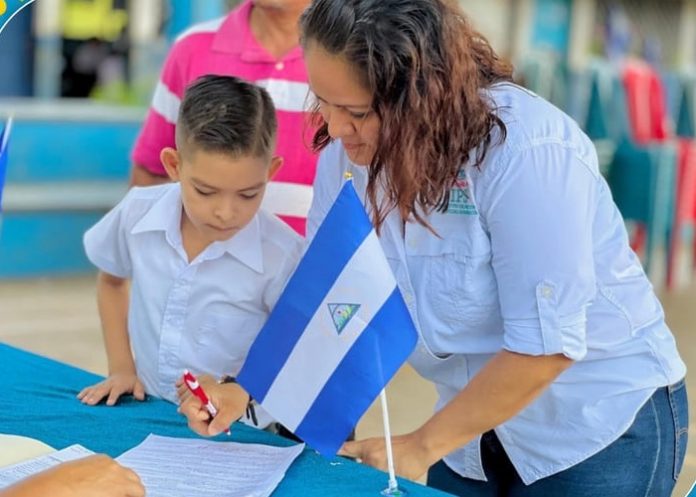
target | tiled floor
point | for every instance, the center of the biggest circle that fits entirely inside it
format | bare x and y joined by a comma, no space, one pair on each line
58,318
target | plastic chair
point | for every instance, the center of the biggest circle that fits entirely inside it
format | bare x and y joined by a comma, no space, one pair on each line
683,111
685,115
545,74
642,173
684,208
647,102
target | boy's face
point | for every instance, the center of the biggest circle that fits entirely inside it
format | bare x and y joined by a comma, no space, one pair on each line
220,193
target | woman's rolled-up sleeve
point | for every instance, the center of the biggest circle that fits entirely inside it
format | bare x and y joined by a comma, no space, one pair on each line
538,208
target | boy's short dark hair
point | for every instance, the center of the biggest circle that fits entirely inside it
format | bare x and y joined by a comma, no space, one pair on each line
226,114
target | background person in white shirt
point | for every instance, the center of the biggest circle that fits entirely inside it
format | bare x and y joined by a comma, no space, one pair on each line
556,372
205,265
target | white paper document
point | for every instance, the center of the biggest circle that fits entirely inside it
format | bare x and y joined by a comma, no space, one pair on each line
15,472
182,467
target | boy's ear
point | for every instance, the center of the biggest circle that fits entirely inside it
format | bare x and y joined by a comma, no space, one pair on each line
171,160
276,162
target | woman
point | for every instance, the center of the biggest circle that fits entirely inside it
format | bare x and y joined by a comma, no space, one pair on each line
556,372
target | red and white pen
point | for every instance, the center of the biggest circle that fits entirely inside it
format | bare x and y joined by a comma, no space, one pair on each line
196,389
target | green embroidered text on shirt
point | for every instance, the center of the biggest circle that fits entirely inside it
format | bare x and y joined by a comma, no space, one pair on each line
460,201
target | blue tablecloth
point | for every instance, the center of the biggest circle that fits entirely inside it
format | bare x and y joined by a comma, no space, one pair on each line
38,401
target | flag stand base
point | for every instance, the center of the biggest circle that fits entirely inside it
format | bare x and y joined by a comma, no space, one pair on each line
393,492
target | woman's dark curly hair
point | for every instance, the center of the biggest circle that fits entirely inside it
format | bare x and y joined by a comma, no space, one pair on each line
425,67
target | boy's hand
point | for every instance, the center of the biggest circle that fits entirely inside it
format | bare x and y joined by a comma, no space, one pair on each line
113,387
229,399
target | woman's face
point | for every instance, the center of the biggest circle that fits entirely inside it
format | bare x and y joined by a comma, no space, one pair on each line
344,103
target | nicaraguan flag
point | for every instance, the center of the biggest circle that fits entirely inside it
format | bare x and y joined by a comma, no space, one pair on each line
4,139
336,337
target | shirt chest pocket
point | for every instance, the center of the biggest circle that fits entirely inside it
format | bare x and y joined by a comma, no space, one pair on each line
457,291
223,341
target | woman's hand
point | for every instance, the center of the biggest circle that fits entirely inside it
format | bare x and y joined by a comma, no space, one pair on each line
94,476
112,388
411,457
229,399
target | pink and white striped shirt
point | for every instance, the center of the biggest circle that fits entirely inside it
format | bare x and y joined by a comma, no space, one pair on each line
227,46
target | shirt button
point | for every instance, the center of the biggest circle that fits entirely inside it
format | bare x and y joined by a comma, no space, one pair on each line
279,66
546,292
408,297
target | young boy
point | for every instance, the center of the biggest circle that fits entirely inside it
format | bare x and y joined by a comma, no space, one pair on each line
205,264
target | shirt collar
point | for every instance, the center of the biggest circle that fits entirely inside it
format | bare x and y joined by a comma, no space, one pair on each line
235,37
245,246
165,215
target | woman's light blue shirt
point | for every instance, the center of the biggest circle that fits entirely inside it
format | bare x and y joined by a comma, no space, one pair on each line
533,257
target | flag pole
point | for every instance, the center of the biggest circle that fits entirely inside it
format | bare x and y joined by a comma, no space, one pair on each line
393,488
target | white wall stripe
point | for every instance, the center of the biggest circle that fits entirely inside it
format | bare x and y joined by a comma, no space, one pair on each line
289,96
288,199
166,103
202,27
363,281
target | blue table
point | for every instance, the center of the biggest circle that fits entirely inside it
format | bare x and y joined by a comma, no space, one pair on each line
39,401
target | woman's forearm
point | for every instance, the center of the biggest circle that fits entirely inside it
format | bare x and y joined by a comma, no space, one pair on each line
505,385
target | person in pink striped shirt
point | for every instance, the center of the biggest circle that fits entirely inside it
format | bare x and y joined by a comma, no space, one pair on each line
258,41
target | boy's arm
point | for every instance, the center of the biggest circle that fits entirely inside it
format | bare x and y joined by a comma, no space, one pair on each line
112,301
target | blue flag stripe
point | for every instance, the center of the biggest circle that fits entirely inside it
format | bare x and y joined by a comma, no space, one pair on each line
344,229
369,365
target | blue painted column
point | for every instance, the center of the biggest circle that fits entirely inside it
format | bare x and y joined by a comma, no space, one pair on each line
551,26
184,13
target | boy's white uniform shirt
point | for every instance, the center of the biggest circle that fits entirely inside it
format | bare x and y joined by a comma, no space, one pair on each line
202,315
532,257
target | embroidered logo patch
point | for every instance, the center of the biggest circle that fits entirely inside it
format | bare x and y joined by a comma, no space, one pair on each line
461,201
341,314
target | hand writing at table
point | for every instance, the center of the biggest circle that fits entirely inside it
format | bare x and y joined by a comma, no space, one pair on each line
113,387
229,399
411,457
94,476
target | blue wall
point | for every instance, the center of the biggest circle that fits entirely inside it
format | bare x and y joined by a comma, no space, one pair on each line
70,150
61,155
44,244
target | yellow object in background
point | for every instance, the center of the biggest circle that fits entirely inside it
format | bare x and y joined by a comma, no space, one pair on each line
3,7
85,19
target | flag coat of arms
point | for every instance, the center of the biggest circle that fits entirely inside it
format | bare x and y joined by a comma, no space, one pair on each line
337,335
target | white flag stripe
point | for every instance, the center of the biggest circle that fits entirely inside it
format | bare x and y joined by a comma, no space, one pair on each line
166,103
289,96
321,348
288,199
